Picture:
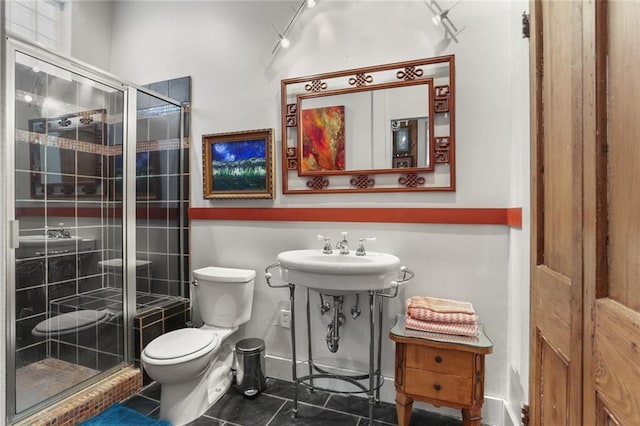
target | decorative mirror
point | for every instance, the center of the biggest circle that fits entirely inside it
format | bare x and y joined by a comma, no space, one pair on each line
384,128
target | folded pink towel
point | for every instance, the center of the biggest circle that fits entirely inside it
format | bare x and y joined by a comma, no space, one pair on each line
440,305
440,327
429,315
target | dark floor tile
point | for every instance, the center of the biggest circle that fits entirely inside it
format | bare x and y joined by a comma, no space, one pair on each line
284,389
311,415
152,391
141,404
155,414
205,421
359,406
421,418
235,408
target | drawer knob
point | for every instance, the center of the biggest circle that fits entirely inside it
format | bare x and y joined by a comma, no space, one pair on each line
437,386
438,359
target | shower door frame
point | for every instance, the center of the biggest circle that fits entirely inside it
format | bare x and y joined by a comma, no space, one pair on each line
15,44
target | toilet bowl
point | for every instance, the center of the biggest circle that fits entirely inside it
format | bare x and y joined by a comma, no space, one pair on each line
71,323
193,365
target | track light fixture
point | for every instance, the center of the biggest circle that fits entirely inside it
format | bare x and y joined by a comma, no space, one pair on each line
283,41
441,17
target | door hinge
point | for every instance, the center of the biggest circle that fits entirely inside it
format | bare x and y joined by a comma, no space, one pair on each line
525,414
525,25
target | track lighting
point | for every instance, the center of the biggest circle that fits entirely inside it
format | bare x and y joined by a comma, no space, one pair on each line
283,41
437,19
441,16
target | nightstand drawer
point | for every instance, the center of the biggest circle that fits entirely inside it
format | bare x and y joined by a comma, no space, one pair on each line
439,386
439,360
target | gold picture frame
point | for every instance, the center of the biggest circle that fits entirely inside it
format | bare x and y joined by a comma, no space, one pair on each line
238,165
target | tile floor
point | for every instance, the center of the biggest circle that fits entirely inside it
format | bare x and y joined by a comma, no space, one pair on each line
273,408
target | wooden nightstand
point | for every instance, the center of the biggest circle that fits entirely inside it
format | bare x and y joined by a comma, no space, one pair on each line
441,370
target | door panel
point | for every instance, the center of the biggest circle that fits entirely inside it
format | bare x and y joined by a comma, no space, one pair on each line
585,280
617,359
555,370
556,278
624,152
552,298
616,367
557,139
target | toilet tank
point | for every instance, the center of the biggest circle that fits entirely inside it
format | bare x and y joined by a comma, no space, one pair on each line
224,296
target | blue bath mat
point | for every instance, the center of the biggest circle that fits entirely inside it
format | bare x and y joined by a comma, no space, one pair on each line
119,415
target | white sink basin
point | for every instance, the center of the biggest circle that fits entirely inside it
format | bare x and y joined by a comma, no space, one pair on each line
337,274
41,240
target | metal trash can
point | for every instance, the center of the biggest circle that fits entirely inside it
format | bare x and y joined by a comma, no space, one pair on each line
250,367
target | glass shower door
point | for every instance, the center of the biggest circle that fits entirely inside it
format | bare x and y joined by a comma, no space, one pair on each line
68,287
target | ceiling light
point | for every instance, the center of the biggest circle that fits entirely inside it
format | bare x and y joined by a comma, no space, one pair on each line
28,98
437,19
441,16
283,40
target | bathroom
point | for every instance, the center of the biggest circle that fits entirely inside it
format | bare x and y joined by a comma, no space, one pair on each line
226,50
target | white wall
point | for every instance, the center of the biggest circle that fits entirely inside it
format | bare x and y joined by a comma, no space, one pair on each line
518,286
91,32
226,48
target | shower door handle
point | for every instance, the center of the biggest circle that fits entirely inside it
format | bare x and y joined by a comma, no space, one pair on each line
14,234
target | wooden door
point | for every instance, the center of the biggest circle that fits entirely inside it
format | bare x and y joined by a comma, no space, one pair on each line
556,211
585,296
612,176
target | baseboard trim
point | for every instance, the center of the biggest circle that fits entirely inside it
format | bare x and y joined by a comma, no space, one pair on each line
493,410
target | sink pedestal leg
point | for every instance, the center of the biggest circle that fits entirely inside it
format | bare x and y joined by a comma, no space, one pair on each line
294,373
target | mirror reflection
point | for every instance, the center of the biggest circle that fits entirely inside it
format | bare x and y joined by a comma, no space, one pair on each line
411,144
375,129
352,131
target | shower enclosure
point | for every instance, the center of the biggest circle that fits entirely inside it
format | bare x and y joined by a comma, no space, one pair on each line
97,223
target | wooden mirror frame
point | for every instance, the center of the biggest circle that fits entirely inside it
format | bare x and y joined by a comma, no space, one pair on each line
440,176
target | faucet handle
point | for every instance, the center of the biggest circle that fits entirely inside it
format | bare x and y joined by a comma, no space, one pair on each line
361,251
327,249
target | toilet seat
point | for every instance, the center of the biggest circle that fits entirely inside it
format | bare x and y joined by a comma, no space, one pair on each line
179,346
71,322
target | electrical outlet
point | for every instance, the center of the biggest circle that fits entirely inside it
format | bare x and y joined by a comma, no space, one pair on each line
285,318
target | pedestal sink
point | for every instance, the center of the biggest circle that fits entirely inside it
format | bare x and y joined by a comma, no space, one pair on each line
40,245
41,240
337,274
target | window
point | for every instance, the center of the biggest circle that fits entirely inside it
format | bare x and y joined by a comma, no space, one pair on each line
41,21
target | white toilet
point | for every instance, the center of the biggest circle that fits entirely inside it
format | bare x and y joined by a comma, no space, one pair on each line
193,365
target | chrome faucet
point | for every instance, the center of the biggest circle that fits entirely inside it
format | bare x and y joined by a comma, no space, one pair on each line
343,245
60,232
327,249
361,251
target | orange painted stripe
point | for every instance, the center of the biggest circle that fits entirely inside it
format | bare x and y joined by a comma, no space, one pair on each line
473,216
514,217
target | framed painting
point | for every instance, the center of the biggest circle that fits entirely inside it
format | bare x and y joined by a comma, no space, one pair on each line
403,162
238,165
322,147
401,140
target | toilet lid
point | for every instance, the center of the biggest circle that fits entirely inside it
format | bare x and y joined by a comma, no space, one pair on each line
180,343
76,320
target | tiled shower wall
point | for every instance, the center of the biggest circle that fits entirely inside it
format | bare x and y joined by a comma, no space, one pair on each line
163,193
162,226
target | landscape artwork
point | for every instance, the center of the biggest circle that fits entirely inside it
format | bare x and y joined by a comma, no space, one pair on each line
238,165
323,139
